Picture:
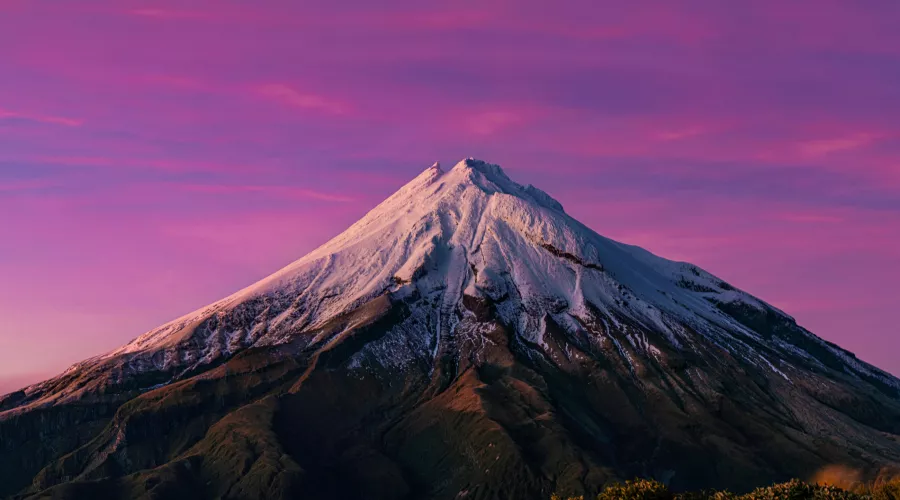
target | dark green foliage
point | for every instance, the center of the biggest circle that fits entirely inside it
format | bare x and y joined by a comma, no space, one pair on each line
798,490
642,489
636,490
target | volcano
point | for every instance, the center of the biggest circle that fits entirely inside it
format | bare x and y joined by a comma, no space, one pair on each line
465,339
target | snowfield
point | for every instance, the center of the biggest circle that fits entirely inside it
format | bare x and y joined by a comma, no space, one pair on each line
472,231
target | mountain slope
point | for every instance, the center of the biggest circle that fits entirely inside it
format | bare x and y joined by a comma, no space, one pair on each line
466,338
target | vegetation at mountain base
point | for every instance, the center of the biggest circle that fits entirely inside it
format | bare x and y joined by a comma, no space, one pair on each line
643,489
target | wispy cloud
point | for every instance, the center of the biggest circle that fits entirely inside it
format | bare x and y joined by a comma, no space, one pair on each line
438,20
812,218
40,118
491,122
822,147
168,13
285,94
678,134
183,82
138,163
284,191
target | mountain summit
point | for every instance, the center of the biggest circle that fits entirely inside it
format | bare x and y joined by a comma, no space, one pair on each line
465,339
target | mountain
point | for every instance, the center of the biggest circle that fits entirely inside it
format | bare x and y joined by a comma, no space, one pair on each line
464,339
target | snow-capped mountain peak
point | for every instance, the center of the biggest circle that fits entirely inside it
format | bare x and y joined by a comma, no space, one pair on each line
473,232
469,324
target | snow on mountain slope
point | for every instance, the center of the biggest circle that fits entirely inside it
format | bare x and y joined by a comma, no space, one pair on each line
471,231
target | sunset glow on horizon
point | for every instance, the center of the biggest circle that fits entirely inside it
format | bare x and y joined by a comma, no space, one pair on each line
156,157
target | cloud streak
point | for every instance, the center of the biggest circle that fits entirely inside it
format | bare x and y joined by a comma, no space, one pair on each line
822,147
285,191
287,95
6,114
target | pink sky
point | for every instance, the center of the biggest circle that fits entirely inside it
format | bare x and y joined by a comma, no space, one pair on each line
155,157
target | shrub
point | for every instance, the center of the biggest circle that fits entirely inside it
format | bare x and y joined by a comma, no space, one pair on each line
639,489
798,490
642,489
883,490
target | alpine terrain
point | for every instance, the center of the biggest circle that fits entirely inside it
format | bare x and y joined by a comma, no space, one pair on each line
466,339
